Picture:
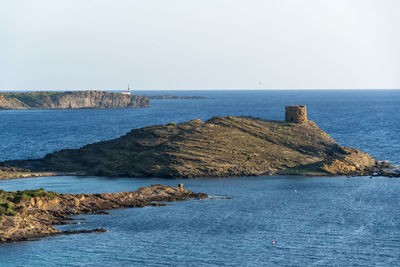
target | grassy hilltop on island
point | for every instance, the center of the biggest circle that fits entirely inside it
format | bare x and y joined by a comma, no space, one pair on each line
219,147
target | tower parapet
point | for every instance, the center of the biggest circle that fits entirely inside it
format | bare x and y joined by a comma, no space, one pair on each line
296,114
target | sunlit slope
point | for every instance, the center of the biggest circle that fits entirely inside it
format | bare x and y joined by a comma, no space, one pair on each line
219,147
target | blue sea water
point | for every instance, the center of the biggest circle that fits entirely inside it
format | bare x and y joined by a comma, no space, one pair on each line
328,221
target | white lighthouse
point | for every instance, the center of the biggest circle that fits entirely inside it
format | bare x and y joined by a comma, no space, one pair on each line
127,92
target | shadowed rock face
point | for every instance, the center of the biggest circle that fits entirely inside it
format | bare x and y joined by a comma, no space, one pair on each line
35,217
66,100
219,147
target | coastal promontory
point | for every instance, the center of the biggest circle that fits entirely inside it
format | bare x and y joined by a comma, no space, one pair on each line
32,213
71,100
219,147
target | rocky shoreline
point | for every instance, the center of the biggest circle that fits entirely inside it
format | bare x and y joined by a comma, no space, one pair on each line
8,173
387,173
30,214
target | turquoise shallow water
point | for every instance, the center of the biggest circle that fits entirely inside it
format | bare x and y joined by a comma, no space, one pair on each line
328,221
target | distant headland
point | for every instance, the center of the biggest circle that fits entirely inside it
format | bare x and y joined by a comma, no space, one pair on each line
71,100
81,99
219,147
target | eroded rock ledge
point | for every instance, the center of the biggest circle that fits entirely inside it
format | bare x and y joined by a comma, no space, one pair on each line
219,147
32,213
74,99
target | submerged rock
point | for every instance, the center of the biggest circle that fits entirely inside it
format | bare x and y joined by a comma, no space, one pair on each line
67,100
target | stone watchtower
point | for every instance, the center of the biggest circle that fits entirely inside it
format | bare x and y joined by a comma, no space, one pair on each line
296,114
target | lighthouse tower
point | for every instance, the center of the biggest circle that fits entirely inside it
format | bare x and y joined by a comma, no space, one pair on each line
127,92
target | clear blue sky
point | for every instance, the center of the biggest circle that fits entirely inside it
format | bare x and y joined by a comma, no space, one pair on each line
199,44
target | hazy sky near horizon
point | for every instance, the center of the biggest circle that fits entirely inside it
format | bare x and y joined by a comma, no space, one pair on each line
202,44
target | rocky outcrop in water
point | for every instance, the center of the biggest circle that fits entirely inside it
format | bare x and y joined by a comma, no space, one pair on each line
168,97
219,147
32,213
388,173
67,100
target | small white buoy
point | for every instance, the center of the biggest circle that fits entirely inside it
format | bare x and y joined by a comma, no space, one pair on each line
295,190
384,184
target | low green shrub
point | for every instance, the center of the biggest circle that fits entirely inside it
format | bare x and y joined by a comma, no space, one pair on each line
9,200
7,208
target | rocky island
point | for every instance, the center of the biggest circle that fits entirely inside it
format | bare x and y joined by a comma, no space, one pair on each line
175,97
68,100
219,147
32,213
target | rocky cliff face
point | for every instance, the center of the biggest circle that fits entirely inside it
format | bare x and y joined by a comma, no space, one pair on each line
66,100
219,147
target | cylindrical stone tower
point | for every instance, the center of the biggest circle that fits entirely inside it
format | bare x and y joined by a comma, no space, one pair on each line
296,114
